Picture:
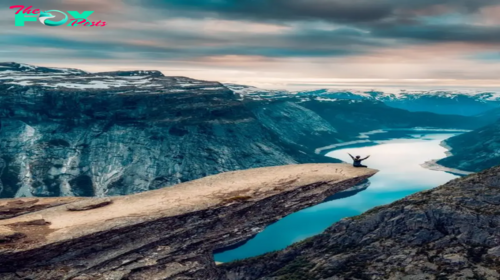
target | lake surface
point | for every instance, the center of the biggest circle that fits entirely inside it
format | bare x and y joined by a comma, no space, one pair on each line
400,175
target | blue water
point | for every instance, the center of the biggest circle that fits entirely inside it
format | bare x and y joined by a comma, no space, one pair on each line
400,175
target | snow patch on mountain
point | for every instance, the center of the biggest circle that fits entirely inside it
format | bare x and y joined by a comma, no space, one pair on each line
24,75
332,94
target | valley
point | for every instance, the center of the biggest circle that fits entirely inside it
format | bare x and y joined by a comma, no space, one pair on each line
66,132
400,175
126,167
449,231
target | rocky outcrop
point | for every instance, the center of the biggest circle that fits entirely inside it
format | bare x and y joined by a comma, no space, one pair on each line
451,232
12,208
163,234
474,151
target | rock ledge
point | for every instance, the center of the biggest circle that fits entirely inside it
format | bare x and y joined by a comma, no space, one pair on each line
167,233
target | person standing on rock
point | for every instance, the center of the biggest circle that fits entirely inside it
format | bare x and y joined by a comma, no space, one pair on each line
357,161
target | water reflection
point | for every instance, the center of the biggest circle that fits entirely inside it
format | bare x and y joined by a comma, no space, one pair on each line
400,175
350,192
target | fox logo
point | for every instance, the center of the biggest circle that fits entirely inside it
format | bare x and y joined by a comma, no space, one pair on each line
45,16
26,14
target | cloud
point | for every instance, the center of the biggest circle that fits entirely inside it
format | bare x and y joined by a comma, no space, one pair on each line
284,38
181,45
442,33
426,21
353,11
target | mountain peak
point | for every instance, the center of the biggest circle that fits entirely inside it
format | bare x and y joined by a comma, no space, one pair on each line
13,75
14,67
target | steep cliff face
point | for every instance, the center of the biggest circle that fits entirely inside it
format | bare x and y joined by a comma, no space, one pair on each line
66,132
296,124
450,232
474,151
163,234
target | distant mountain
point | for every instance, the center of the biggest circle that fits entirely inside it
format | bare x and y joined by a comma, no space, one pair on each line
454,103
474,151
490,116
353,117
315,123
18,68
255,93
466,103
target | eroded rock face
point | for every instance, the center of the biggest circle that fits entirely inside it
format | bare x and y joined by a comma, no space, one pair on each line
65,132
17,207
168,233
451,232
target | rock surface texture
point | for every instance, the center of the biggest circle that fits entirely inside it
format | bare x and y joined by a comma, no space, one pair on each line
163,234
451,232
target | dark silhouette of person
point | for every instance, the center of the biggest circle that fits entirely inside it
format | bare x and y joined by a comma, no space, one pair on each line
357,161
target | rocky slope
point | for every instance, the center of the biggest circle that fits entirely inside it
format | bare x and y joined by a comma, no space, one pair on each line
474,151
451,232
163,234
303,126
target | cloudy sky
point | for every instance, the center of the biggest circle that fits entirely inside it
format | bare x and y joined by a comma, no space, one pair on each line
273,43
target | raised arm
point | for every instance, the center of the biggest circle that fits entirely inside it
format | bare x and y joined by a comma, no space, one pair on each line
366,157
351,156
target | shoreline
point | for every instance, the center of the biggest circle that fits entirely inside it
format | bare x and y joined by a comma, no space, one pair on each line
447,147
434,166
430,165
364,137
236,247
318,151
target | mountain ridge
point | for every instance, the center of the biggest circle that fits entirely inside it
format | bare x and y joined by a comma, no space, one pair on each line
452,102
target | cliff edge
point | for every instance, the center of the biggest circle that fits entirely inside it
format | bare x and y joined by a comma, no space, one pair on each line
169,233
